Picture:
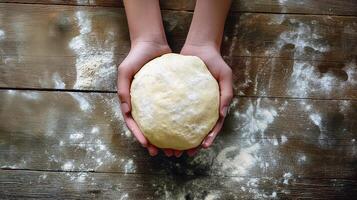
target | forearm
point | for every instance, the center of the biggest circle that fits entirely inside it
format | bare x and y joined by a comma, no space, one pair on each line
208,23
144,21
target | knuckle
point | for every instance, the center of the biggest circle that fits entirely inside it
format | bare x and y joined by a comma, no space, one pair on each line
228,95
122,95
228,70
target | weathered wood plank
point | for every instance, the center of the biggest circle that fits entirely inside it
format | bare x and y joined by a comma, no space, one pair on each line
66,47
42,30
72,185
262,137
326,7
252,76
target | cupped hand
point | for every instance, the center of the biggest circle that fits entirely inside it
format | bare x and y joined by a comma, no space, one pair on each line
223,74
140,53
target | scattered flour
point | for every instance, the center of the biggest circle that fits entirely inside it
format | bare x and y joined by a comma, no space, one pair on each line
316,118
2,34
302,158
256,118
212,196
76,136
82,100
124,196
306,78
58,82
67,166
238,160
240,163
94,63
129,166
283,139
287,177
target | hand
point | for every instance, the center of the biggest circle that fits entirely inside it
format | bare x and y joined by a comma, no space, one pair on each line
211,56
140,53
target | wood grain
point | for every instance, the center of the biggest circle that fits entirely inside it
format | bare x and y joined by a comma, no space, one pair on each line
57,185
48,30
269,54
269,137
325,7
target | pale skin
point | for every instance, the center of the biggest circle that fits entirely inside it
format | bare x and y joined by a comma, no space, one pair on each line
148,41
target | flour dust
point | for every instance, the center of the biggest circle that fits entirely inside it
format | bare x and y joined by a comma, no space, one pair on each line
95,67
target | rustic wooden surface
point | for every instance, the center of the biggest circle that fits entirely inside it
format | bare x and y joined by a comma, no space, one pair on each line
328,7
257,46
290,133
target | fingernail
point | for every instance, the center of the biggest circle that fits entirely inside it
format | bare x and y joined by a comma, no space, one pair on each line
224,110
125,107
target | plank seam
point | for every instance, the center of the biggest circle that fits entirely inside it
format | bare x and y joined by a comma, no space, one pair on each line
113,92
154,174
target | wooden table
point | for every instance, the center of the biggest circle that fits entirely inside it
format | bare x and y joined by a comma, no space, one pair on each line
291,130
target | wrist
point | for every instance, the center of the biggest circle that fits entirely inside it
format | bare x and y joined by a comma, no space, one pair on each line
209,46
212,45
156,39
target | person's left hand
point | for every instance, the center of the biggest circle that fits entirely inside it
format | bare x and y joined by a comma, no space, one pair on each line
223,74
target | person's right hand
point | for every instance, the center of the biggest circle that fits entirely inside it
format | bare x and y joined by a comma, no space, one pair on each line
140,53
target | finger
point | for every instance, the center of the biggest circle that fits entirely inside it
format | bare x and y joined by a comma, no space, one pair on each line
207,142
168,152
153,151
178,153
192,152
135,130
226,90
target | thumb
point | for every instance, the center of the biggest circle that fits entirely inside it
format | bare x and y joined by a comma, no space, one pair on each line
123,85
226,90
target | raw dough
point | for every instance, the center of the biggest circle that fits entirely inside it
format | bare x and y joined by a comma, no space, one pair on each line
175,101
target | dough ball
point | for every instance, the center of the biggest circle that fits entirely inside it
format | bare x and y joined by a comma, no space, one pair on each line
175,101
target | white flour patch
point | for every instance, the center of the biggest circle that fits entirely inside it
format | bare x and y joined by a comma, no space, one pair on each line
82,101
256,118
212,196
82,177
306,78
117,116
240,159
2,34
58,82
282,1
67,166
287,177
243,160
124,196
316,119
76,136
94,63
302,158
43,176
11,92
30,95
129,166
283,139
95,130
351,70
344,105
